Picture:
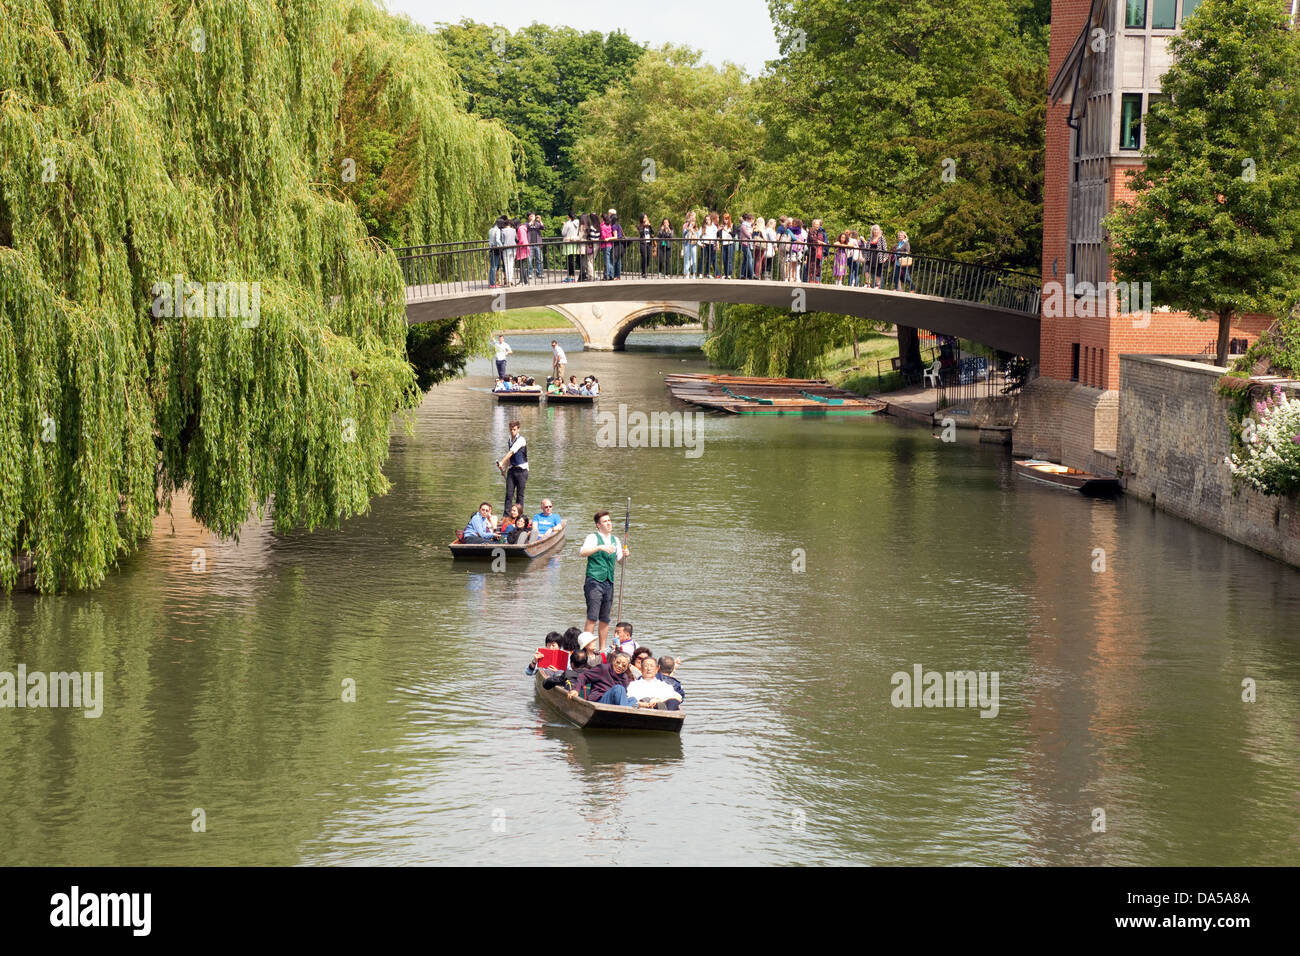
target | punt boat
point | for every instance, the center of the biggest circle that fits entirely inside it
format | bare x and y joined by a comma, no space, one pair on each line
519,398
590,715
534,547
570,399
1072,479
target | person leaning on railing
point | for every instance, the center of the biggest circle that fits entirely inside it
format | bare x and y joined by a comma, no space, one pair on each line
572,250
903,263
665,245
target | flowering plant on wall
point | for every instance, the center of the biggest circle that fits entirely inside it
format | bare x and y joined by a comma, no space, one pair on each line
1270,443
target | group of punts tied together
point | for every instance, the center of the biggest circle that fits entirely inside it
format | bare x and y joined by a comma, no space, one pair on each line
749,395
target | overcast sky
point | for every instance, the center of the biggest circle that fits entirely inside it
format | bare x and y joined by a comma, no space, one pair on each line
739,31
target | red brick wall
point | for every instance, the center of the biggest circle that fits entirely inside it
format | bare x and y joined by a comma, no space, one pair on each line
1101,339
1068,18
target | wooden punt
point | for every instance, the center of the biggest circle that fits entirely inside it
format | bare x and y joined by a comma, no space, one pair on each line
748,395
570,399
1072,479
592,716
533,548
518,398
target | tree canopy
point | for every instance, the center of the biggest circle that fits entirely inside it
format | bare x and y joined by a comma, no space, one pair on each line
534,81
674,135
148,146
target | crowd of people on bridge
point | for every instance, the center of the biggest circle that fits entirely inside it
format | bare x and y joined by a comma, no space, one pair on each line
595,247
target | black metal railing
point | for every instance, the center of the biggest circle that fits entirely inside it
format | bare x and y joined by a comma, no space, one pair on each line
972,377
457,267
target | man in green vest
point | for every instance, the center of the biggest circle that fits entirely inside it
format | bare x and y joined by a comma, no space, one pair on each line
601,549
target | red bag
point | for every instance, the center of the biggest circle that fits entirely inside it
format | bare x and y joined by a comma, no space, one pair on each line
554,657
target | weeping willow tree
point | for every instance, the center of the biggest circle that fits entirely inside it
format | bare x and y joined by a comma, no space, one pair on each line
151,152
760,340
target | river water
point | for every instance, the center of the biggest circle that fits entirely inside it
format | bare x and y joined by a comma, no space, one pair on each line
795,565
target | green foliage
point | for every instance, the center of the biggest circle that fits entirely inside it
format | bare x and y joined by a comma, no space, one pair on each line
677,135
143,141
533,81
426,171
1216,227
869,98
1276,352
760,340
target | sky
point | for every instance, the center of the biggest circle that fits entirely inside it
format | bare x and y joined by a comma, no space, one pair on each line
738,31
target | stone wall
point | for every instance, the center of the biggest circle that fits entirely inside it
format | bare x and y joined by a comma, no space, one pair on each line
1173,438
1066,422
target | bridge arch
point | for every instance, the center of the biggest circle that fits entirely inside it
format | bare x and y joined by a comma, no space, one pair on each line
636,316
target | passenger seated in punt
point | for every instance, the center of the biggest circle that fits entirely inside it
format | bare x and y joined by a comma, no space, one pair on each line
515,526
605,683
482,526
552,641
504,385
666,667
648,691
572,387
554,386
546,520
623,638
579,661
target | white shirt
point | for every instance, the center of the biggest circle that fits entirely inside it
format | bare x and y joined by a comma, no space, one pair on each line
570,230
559,355
656,689
593,543
503,349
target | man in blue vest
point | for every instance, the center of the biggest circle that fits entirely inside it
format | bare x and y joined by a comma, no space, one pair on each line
602,550
516,473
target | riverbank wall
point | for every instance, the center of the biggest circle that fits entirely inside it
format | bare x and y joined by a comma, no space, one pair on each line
1173,439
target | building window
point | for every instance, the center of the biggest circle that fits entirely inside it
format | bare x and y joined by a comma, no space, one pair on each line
1074,362
1135,14
1162,14
1189,8
1130,121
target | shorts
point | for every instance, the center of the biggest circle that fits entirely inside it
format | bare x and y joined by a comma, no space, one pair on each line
600,598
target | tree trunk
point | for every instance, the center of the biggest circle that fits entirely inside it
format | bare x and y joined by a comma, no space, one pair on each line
856,356
909,350
1225,327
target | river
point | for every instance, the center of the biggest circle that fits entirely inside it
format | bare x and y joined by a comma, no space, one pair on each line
795,565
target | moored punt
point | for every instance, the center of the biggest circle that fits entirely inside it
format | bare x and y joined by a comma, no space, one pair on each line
746,395
570,399
519,398
533,548
593,716
1072,479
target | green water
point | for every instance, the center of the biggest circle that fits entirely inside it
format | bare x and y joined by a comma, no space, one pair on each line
795,565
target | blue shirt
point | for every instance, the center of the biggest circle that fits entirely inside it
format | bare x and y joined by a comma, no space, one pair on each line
478,525
545,522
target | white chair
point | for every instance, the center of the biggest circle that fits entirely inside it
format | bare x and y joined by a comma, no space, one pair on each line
931,375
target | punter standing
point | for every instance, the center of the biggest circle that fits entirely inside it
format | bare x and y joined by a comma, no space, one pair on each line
558,360
503,351
601,549
514,465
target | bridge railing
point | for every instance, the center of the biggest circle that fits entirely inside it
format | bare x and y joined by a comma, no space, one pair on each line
457,267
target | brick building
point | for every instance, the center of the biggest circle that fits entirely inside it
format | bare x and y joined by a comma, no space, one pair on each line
1106,58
